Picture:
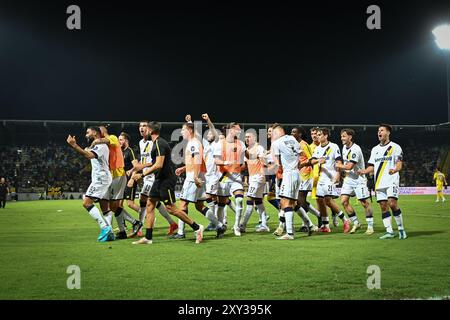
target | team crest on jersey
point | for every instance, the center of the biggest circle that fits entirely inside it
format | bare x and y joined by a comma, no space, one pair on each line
353,156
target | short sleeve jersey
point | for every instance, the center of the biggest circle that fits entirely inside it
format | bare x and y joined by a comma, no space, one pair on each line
288,151
384,158
331,153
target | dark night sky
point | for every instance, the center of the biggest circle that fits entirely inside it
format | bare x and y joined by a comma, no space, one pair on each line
252,63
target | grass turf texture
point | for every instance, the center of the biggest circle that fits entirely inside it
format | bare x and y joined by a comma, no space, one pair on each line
38,243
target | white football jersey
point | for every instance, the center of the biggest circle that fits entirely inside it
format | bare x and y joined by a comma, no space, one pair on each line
354,154
384,158
208,153
331,153
100,164
145,147
193,148
288,149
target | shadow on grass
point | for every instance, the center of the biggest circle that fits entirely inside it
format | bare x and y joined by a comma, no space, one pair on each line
423,233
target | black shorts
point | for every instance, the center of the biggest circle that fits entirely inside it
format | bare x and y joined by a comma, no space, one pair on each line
164,190
130,193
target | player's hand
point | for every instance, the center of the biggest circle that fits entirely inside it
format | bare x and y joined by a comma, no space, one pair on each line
136,176
138,166
129,172
179,171
392,171
71,140
205,117
130,183
198,182
322,160
360,172
188,118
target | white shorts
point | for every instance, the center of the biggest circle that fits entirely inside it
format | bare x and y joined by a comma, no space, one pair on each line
306,185
290,185
360,190
326,189
98,190
117,188
191,193
385,193
148,184
212,186
229,185
226,189
256,189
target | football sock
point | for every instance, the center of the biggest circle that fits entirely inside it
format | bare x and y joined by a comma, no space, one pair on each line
162,209
118,213
220,212
369,221
239,198
353,218
149,234
108,215
387,221
143,211
398,219
262,212
289,216
97,216
313,210
231,205
248,212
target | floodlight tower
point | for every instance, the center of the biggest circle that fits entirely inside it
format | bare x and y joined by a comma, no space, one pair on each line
442,35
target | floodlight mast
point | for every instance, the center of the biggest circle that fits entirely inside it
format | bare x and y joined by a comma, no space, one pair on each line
442,35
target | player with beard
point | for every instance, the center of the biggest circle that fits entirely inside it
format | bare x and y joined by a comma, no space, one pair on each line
101,180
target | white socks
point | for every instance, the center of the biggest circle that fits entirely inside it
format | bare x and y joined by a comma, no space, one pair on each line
97,216
289,216
108,217
239,200
262,213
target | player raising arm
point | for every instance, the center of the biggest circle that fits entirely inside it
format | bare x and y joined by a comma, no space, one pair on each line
101,180
386,160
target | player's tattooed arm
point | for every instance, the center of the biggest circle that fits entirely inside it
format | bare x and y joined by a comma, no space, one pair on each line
85,153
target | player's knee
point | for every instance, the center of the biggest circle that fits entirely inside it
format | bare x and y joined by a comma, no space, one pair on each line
199,206
87,203
393,204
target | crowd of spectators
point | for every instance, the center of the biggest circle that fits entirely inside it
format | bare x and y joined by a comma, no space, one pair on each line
27,167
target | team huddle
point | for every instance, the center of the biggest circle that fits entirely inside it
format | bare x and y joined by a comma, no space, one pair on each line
284,170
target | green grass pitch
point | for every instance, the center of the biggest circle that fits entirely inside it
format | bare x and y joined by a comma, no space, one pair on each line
38,242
